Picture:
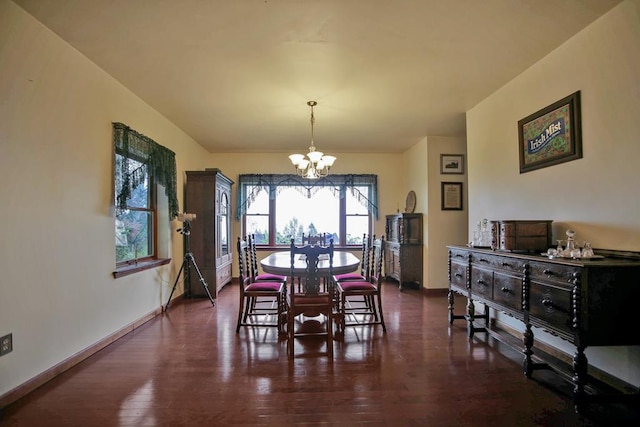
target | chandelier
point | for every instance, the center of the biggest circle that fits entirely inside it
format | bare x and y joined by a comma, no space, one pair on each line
316,164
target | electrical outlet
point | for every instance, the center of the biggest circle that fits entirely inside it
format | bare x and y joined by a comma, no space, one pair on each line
6,344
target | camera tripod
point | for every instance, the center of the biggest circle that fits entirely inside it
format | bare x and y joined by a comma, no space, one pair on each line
188,262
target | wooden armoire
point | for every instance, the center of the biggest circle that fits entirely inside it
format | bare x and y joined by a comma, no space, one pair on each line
208,195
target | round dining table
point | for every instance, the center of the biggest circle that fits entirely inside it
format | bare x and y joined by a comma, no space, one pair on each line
280,263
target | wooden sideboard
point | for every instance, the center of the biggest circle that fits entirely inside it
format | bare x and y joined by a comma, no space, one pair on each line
585,302
403,248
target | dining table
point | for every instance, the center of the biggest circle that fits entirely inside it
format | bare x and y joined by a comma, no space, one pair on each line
280,263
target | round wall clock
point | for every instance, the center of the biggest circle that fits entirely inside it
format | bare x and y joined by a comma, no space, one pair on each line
410,203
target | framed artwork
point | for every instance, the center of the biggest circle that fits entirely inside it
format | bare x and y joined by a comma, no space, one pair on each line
452,164
552,135
451,196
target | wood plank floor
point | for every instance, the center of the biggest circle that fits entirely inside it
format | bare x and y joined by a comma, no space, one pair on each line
188,367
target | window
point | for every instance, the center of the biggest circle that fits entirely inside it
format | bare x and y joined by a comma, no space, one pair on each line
139,165
135,224
277,208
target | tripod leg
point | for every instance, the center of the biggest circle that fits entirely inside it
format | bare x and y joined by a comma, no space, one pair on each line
204,282
175,284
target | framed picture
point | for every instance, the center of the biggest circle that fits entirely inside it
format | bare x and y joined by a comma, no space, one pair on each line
451,196
452,163
552,135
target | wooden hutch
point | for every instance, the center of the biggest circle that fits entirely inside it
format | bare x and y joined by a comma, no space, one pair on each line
208,195
403,248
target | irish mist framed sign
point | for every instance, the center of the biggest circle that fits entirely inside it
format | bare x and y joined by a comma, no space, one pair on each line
552,135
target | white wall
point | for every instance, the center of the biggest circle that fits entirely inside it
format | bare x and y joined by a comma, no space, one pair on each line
597,195
58,295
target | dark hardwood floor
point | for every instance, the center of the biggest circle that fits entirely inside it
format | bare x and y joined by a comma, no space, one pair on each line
188,367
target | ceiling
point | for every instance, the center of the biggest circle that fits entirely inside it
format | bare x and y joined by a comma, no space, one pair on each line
236,75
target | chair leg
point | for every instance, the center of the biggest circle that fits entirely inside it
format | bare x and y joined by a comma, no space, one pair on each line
384,327
240,314
290,334
248,307
281,314
343,312
330,333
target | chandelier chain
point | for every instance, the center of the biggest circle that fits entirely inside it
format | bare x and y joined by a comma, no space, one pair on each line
315,165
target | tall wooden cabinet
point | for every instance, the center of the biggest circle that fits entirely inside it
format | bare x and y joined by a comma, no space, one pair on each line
208,195
403,248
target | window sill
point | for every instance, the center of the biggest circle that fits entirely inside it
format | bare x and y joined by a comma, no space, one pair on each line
126,270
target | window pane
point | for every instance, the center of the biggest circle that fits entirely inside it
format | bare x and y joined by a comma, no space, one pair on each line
260,205
134,239
356,227
353,205
258,225
357,220
140,195
297,214
257,217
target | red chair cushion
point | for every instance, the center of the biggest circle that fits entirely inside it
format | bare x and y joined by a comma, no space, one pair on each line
356,286
264,286
349,276
269,276
313,300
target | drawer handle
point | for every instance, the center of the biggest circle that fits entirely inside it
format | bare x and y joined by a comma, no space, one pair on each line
482,282
506,264
458,275
548,272
460,255
505,289
547,302
484,260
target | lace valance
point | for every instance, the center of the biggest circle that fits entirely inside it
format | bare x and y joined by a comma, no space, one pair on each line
160,162
249,186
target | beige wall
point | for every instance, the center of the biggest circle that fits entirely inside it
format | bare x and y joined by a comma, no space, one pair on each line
444,227
57,294
596,196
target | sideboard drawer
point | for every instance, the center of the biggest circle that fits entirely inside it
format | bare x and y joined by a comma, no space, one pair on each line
458,277
552,306
556,272
507,290
482,282
498,262
459,255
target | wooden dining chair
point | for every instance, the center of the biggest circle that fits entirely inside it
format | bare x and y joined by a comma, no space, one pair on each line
312,300
370,312
317,239
263,303
365,263
253,264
